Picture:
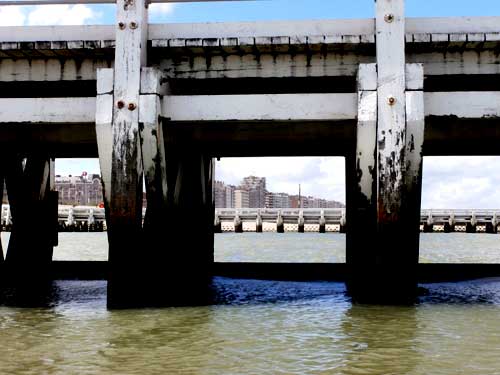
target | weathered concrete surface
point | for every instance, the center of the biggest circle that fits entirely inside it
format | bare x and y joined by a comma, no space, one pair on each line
30,186
125,202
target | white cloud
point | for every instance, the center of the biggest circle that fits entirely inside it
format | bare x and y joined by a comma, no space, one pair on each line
161,9
61,15
461,182
319,177
12,16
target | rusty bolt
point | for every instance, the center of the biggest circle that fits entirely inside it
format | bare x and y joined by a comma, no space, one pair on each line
133,25
121,25
120,104
131,106
391,100
389,18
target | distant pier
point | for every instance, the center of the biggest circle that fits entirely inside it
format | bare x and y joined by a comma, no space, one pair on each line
286,220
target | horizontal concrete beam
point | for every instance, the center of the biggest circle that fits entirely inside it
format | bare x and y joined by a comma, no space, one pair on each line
47,110
279,107
294,29
463,104
317,106
260,107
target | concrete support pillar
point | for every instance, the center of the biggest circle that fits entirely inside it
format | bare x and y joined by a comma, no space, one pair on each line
412,190
494,223
361,179
301,222
385,192
343,222
30,187
470,228
322,222
280,224
120,156
217,223
153,88
238,224
189,255
489,228
258,223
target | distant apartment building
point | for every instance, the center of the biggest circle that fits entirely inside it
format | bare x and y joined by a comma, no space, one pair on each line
252,193
223,195
84,190
241,199
230,189
312,202
256,188
219,194
278,200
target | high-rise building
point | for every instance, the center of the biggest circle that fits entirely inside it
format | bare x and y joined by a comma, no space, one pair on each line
230,196
256,188
241,199
219,194
223,195
278,200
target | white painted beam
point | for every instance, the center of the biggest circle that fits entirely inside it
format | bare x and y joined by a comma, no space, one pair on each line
262,29
481,104
56,33
278,107
294,107
326,28
47,110
452,25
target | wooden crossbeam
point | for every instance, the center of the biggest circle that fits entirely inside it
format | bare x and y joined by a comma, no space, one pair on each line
294,107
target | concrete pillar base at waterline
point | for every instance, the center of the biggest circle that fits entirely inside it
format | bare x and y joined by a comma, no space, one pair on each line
172,263
188,258
30,188
173,255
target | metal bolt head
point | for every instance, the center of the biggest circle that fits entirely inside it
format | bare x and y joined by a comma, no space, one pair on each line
391,100
121,25
389,18
133,25
120,104
131,106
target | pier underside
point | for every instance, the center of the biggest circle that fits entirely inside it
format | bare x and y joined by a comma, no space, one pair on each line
157,103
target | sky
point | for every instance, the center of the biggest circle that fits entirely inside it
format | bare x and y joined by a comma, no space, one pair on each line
449,182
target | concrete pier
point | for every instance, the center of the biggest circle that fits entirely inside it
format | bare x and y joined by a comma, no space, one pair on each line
30,185
156,104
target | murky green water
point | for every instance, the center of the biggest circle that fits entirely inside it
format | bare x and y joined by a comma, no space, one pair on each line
262,327
297,247
258,327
